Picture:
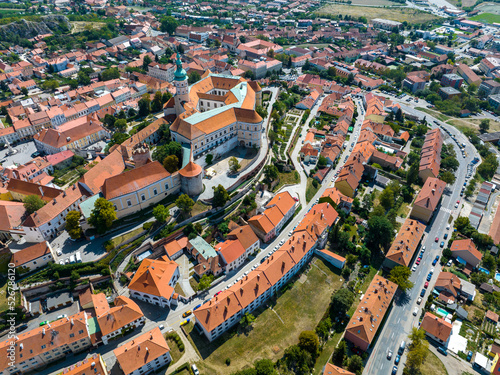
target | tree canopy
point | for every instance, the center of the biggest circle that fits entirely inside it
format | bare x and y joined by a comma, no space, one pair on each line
401,276
221,196
102,215
33,203
73,224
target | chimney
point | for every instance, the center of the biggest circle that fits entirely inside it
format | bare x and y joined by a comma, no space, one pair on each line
41,190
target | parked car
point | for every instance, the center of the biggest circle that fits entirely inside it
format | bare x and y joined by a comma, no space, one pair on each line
414,268
442,350
436,239
423,249
426,285
398,358
62,316
415,311
434,262
441,244
422,292
195,369
394,370
469,355
445,236
429,277
187,313
21,328
44,323
419,300
184,322
450,262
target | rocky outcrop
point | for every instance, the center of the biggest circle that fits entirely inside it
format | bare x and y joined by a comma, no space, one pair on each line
30,29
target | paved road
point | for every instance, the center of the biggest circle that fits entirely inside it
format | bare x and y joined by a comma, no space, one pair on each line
400,319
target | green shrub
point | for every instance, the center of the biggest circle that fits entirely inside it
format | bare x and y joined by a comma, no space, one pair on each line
228,361
148,225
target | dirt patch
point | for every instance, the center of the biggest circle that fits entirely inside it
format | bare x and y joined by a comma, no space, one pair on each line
79,26
474,124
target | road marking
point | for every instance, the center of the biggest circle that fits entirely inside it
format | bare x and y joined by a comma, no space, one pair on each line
399,320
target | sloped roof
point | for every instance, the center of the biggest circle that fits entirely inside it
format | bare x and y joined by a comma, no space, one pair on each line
153,277
435,326
31,253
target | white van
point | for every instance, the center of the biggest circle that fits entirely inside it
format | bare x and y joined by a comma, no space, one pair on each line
78,257
72,259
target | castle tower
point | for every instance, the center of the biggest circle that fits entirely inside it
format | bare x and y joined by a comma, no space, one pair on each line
141,154
181,86
191,178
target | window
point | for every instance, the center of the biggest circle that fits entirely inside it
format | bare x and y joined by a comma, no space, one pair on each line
71,335
166,186
44,346
155,192
143,197
129,202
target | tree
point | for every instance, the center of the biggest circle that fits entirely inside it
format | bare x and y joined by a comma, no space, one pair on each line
341,303
355,364
387,198
447,177
221,196
102,215
401,276
120,124
205,282
271,173
145,63
264,367
109,120
484,126
261,111
169,24
419,348
339,353
209,158
109,74
50,84
308,340
156,104
234,166
160,213
489,262
380,232
171,163
83,78
185,203
166,97
322,161
247,320
33,203
73,224
193,77
144,105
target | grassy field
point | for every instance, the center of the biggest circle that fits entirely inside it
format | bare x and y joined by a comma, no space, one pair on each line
174,350
486,18
396,14
484,7
299,308
375,3
289,178
198,208
311,190
433,366
473,124
126,236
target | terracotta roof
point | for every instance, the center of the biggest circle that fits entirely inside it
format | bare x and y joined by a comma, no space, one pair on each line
31,253
449,282
110,166
284,201
134,180
435,326
141,350
47,193
44,339
245,235
468,246
230,250
90,365
124,312
11,215
406,242
336,196
262,222
153,277
191,170
370,312
335,370
492,316
317,220
59,157
59,139
430,194
495,228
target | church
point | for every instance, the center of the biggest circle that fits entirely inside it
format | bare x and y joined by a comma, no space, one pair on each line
215,114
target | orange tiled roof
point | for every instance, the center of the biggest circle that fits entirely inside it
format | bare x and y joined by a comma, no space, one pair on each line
430,194
31,253
437,327
406,242
153,277
124,312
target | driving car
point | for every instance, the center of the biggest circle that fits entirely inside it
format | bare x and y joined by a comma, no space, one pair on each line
389,354
184,322
419,300
436,239
415,311
187,313
426,285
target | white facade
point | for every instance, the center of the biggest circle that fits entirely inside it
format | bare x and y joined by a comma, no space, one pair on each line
136,323
39,262
157,300
155,364
162,72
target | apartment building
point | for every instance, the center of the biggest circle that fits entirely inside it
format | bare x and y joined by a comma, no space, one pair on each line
94,364
405,244
232,253
163,72
428,199
369,315
154,282
413,83
223,311
41,346
468,75
124,316
144,354
430,156
489,87
33,257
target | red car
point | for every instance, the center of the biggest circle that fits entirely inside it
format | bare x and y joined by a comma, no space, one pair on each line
219,292
417,262
426,284
437,239
295,199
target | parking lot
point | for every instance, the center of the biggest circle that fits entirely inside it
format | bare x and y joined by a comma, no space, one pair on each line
52,315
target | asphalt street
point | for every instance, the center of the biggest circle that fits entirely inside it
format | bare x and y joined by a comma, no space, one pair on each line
400,319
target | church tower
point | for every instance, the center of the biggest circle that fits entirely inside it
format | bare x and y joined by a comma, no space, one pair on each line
181,87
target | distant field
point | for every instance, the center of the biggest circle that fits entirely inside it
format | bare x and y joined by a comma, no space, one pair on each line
487,7
396,14
487,17
468,3
375,3
79,26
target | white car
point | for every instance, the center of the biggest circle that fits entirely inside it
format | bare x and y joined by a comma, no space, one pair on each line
414,268
59,252
161,327
415,311
282,242
419,300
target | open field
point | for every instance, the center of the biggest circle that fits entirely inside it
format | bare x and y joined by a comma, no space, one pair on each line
375,3
299,308
433,366
473,124
487,17
79,26
485,7
117,241
311,190
396,14
287,178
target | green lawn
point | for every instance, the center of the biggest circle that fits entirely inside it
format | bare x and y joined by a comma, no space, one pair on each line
299,308
174,351
311,190
117,241
486,18
289,178
433,366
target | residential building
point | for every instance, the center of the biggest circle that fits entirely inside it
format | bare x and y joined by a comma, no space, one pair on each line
225,310
144,354
465,252
232,253
468,75
428,199
125,315
335,197
245,235
40,346
489,87
94,364
332,258
451,288
413,83
448,92
164,72
335,370
154,282
436,328
369,315
405,244
20,189
139,188
452,80
380,23
33,257
430,156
